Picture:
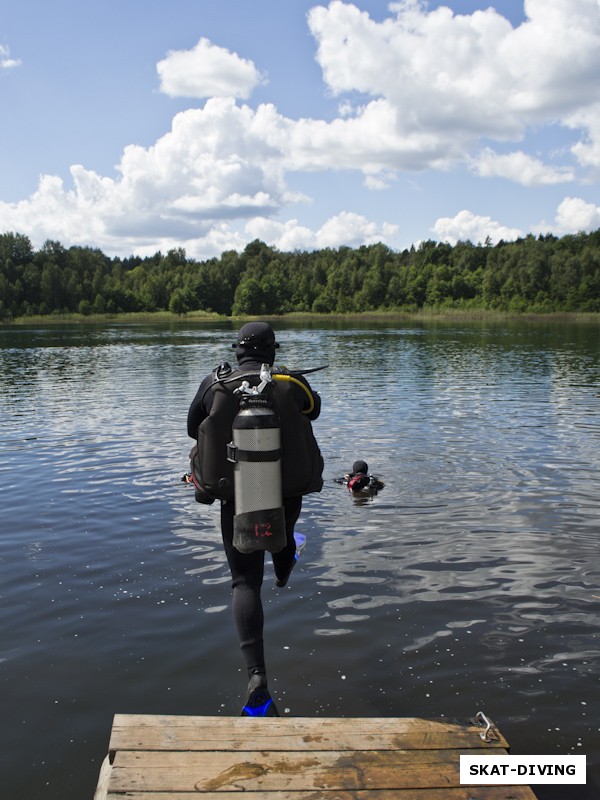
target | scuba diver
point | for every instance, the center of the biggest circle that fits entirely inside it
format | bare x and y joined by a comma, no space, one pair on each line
359,482
257,454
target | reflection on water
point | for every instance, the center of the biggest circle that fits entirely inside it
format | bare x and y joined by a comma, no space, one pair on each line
471,581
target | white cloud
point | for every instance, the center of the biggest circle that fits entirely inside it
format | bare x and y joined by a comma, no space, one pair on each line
468,226
518,167
222,162
209,168
451,79
172,195
370,142
431,67
207,71
378,183
50,213
216,240
587,151
6,62
353,230
346,228
285,236
572,216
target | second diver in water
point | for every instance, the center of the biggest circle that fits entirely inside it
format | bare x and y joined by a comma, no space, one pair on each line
359,482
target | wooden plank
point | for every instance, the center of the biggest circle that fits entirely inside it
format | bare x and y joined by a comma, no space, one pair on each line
103,780
458,793
147,732
293,771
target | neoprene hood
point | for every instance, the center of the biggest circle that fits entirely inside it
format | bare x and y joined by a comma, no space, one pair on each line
256,342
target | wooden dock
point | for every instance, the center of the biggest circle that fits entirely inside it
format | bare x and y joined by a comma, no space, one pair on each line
296,758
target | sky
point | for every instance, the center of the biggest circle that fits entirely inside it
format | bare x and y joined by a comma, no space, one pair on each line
142,125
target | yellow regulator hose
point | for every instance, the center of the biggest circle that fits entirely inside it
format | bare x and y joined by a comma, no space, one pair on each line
282,377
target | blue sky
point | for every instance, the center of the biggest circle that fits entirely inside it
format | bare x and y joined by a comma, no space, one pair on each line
136,126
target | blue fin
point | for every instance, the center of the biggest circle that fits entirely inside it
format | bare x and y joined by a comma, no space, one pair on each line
267,709
300,540
259,702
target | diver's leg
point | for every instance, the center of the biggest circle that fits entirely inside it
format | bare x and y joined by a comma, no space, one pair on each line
247,575
246,580
284,561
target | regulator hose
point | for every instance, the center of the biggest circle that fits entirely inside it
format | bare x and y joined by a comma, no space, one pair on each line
280,376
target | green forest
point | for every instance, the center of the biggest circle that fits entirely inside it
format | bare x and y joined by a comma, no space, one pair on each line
534,274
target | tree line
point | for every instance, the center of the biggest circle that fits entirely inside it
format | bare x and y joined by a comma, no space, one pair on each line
537,274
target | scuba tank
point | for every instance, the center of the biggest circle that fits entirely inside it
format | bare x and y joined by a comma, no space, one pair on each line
259,520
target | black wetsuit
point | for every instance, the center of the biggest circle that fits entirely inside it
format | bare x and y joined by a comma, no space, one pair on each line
247,569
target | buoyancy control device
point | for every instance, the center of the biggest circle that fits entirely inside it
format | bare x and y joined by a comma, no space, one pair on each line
259,520
302,463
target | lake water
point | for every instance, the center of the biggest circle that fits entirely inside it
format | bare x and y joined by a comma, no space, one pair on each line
472,582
